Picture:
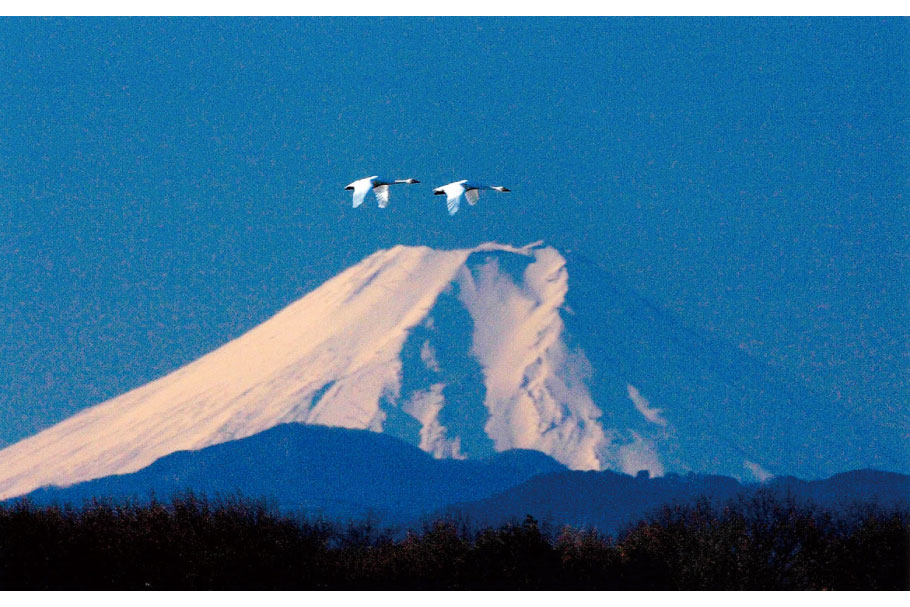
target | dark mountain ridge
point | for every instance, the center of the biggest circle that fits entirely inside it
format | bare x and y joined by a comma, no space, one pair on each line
609,501
348,474
335,472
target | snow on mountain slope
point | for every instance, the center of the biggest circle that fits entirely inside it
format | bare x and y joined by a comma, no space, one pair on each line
530,382
341,356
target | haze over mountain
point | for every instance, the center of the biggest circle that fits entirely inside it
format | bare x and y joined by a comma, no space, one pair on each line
465,353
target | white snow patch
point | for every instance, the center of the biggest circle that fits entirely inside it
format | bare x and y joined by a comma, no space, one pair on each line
653,415
757,471
640,454
428,356
424,406
535,396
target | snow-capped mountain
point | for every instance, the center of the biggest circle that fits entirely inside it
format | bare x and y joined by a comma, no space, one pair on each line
460,352
466,353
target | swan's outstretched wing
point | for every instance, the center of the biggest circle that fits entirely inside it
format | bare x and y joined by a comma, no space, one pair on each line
360,191
471,196
382,195
452,201
453,196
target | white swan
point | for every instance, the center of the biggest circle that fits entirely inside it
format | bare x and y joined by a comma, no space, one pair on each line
471,191
379,186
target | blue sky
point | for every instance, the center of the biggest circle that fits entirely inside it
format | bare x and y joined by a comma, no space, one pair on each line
166,184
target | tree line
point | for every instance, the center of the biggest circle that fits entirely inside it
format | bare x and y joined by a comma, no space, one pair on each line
190,542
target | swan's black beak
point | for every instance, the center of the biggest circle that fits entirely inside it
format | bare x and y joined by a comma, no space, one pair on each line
438,192
350,187
506,190
415,181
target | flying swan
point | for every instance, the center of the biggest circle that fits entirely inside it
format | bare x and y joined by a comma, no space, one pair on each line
379,186
471,191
